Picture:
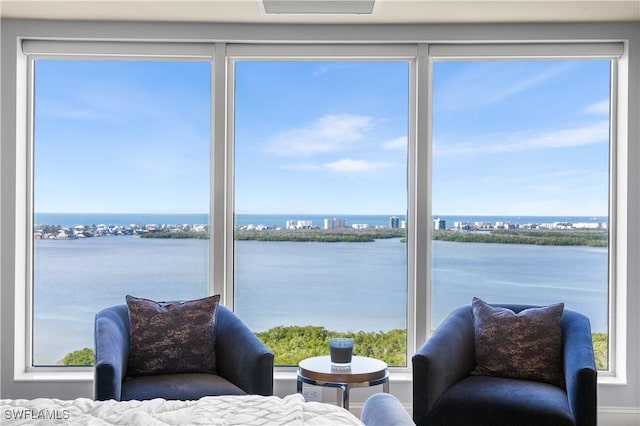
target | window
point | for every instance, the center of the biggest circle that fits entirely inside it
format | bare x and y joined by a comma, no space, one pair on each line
321,205
365,136
521,195
120,174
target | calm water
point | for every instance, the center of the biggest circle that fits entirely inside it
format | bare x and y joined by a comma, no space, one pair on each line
76,278
341,286
510,273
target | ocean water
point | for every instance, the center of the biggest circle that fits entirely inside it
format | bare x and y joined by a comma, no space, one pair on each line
341,286
120,219
278,220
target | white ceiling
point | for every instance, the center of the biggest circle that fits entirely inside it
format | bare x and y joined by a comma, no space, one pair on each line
384,11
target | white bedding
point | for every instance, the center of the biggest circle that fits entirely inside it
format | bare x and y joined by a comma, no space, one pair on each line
215,410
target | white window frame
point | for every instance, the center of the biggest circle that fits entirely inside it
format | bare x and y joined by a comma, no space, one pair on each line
34,50
421,56
360,53
617,252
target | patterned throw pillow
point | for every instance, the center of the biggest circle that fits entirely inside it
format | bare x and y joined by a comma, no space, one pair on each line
176,337
527,345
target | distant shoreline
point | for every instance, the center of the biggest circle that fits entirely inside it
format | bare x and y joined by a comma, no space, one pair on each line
548,230
549,237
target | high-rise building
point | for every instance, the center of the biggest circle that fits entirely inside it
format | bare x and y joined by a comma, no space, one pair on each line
334,223
439,224
394,222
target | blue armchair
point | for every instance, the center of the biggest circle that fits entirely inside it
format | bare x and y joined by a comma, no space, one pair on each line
445,392
243,364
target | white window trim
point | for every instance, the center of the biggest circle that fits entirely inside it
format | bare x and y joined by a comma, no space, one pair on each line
33,50
120,50
618,171
420,143
359,53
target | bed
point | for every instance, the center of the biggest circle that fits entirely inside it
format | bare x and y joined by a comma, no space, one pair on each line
216,410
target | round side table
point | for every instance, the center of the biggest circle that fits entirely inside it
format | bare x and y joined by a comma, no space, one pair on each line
362,372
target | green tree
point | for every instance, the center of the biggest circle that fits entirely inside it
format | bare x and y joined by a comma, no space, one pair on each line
290,345
589,238
601,350
81,357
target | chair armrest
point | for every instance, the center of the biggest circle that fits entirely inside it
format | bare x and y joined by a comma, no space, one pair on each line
111,334
241,357
579,368
384,409
446,357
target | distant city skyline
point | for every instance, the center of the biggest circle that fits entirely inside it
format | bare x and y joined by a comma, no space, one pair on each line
138,219
510,138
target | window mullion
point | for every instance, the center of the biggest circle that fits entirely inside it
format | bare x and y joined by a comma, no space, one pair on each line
420,194
220,149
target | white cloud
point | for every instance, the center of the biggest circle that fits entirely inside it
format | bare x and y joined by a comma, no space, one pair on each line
56,109
527,141
348,165
599,108
303,166
485,84
329,133
104,101
396,144
343,165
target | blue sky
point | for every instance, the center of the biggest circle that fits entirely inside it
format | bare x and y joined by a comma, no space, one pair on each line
124,137
521,138
510,138
321,137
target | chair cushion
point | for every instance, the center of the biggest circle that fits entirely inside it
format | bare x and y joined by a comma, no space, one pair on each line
177,386
495,401
527,345
173,337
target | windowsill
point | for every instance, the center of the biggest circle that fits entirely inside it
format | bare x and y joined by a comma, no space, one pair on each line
87,376
612,381
282,375
54,376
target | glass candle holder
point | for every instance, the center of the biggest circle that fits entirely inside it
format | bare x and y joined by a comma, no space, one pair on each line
341,350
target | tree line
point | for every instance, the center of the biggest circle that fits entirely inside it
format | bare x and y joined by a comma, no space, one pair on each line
588,238
321,235
292,344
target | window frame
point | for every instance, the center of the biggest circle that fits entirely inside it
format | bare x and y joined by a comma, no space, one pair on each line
34,50
617,225
223,56
334,53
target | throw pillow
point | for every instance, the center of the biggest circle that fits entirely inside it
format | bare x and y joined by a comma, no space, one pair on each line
172,337
527,345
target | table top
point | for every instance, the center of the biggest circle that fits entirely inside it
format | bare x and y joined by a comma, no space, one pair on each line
361,369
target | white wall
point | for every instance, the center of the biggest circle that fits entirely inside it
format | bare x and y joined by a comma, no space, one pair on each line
619,403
